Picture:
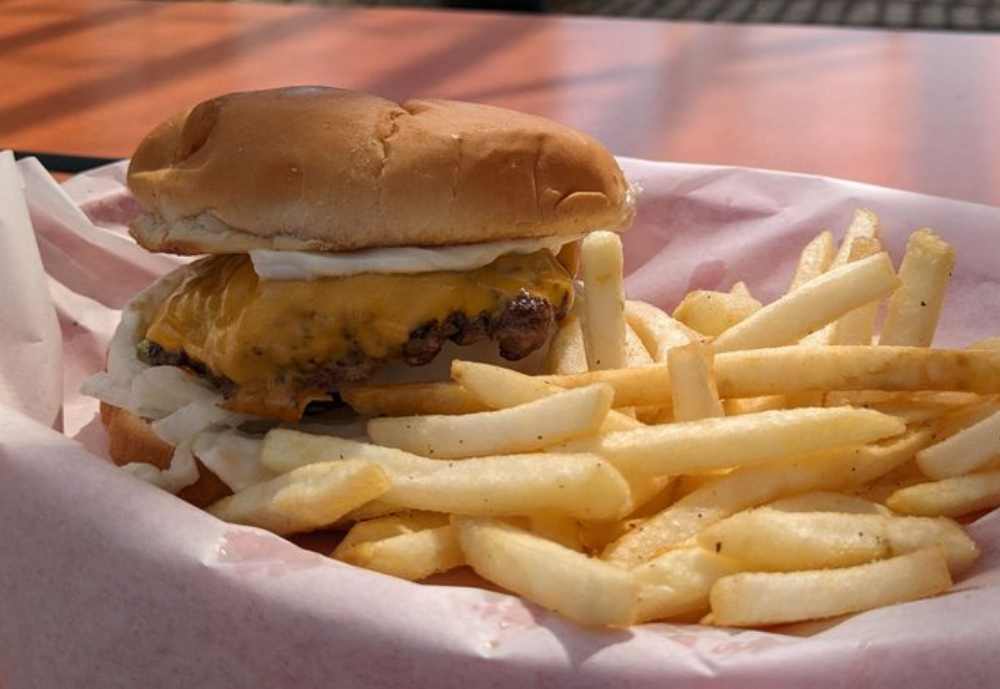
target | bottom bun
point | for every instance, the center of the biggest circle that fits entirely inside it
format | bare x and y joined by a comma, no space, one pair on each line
131,439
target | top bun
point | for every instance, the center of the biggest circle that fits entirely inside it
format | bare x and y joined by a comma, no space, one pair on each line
324,169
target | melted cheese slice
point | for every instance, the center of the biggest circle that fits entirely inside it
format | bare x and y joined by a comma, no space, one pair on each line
266,337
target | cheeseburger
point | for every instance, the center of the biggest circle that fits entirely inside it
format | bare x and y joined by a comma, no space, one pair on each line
342,238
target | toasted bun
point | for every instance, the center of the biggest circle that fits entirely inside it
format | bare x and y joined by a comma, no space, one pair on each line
131,439
316,168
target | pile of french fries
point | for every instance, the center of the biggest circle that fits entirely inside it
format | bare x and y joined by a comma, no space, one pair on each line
736,463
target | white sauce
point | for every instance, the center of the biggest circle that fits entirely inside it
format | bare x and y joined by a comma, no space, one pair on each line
308,265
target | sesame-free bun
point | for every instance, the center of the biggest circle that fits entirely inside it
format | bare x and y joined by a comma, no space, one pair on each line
317,168
131,439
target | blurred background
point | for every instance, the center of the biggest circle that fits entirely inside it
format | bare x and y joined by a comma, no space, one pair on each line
936,15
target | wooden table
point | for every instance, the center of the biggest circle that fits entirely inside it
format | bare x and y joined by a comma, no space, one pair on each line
910,110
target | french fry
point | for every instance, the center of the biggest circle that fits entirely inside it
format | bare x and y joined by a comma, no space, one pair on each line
915,308
745,600
604,304
525,428
827,501
860,398
752,405
952,497
657,330
388,527
771,539
376,509
583,486
696,446
740,289
815,304
692,384
678,582
909,534
958,420
753,373
567,351
910,413
867,398
864,226
633,386
285,450
409,398
968,450
712,313
636,354
414,556
756,485
653,414
796,400
858,326
557,528
662,495
766,540
689,483
814,260
305,499
801,369
903,476
499,388
588,591
595,536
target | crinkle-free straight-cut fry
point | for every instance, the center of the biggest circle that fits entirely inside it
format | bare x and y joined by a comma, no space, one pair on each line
758,599
305,499
567,351
696,446
527,427
499,388
584,486
678,582
814,260
712,313
968,450
768,540
864,226
817,303
952,497
858,326
692,383
756,485
657,330
828,501
751,405
414,556
406,399
583,589
752,373
389,526
636,354
915,308
604,300
801,369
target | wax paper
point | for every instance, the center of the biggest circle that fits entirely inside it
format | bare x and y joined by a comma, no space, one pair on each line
108,582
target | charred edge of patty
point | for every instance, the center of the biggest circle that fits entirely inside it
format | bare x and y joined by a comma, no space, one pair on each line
522,326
